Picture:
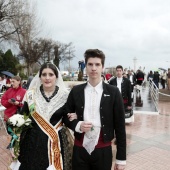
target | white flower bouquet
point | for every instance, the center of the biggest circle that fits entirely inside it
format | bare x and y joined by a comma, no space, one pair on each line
16,124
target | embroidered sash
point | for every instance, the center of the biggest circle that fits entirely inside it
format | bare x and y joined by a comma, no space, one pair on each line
55,157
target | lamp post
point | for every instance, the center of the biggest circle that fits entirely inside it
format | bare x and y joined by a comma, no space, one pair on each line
134,62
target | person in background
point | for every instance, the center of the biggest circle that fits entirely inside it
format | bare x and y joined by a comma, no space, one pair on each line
2,84
29,80
168,79
139,77
24,85
132,79
124,74
163,79
123,85
72,76
100,115
82,66
12,98
108,76
156,78
133,73
150,76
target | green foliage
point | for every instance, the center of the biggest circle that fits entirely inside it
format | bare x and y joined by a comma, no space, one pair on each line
23,76
16,125
9,62
66,78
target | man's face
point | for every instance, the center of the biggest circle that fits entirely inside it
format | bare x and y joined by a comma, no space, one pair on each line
119,72
129,72
94,68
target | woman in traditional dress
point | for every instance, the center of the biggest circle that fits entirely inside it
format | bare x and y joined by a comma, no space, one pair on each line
45,145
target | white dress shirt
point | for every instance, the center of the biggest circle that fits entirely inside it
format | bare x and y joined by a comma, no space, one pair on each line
119,82
131,79
92,114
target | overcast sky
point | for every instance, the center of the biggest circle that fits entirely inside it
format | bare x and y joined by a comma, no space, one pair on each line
122,29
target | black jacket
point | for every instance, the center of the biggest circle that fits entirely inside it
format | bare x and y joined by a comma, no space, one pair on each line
112,115
140,75
125,89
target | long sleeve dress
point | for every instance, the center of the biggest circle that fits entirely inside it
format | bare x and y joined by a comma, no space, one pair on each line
34,149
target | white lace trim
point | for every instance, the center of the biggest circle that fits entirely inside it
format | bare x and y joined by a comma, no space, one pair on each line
47,109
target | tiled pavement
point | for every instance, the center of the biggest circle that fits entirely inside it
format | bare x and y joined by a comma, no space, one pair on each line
4,153
148,142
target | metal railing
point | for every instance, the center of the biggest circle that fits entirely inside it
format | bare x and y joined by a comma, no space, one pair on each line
164,94
154,92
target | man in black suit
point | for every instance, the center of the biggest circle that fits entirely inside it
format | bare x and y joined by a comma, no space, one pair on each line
100,115
124,86
132,79
140,77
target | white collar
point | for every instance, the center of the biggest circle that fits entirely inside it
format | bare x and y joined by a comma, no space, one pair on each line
98,88
119,78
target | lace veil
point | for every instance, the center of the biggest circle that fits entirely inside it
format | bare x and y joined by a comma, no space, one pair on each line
55,103
36,82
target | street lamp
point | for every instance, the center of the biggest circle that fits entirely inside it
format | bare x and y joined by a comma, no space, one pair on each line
134,62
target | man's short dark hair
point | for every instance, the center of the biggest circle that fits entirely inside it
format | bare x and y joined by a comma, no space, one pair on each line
119,66
94,53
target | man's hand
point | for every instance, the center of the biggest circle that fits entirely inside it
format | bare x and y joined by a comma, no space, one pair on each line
119,167
86,126
72,116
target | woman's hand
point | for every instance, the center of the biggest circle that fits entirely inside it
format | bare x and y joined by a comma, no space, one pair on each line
9,101
16,103
72,116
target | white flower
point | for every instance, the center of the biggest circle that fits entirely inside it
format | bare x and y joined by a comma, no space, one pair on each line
13,120
28,121
17,120
20,121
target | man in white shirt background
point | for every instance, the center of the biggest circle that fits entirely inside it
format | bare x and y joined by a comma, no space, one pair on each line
124,86
100,115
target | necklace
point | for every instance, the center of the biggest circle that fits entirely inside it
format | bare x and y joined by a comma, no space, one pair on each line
48,98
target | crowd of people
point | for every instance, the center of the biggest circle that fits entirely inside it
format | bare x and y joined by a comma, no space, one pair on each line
84,110
138,78
157,78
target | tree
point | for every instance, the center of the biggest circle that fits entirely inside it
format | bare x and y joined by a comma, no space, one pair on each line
32,53
47,46
56,51
9,62
63,53
8,12
26,24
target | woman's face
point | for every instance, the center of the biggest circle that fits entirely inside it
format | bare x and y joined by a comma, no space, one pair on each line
15,84
48,78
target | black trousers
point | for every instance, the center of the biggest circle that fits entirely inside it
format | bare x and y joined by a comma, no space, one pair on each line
163,83
100,159
139,82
